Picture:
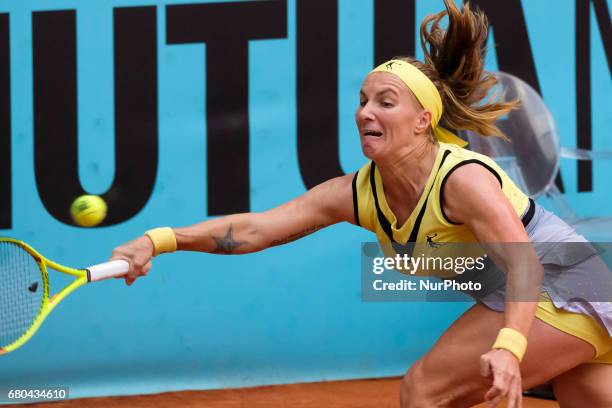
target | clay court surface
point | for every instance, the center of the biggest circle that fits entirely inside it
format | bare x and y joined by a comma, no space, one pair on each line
381,393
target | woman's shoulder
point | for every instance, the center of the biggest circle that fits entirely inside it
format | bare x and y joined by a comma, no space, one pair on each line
458,154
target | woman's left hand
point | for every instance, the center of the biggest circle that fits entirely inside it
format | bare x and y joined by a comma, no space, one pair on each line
504,368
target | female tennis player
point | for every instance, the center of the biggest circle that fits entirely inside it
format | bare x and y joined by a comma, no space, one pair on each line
420,182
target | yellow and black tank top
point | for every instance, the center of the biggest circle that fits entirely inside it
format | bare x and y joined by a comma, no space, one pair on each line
427,223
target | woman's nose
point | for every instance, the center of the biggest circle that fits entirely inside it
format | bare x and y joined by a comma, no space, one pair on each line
365,112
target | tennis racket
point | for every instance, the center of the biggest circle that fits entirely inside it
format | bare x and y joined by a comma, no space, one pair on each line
24,289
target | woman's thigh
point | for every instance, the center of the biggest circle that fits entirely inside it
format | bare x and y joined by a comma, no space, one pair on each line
588,385
449,374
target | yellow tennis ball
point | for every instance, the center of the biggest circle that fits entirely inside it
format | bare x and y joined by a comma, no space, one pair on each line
88,210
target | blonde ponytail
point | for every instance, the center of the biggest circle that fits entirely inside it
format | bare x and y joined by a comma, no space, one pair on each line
454,63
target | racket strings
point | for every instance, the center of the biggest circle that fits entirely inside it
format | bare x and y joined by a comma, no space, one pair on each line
21,292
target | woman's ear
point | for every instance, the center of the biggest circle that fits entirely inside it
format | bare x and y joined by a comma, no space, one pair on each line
423,122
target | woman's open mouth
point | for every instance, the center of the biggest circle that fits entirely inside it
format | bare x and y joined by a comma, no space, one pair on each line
373,133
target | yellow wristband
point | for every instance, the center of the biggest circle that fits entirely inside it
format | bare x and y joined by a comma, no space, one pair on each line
511,340
163,240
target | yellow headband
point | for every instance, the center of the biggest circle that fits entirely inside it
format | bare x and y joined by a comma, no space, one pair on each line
426,93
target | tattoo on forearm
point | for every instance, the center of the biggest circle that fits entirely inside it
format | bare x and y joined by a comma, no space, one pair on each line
297,235
227,244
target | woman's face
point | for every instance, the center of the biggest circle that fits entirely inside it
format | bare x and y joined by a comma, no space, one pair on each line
388,117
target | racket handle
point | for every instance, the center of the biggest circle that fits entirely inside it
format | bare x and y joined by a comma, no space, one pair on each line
107,270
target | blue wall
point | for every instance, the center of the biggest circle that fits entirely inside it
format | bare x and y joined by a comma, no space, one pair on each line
290,314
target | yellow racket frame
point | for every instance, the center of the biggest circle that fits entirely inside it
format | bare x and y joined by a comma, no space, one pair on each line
48,304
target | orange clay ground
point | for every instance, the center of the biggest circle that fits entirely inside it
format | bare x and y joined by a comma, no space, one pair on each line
379,393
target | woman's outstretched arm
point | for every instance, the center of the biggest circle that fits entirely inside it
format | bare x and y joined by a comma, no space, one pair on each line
326,204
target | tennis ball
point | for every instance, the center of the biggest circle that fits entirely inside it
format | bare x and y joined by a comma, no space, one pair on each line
88,210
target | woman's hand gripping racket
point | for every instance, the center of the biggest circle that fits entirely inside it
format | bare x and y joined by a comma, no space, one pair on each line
24,289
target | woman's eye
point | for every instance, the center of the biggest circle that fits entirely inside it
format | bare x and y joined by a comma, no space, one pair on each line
362,103
387,104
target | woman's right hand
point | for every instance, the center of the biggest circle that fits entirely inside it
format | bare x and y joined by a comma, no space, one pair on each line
139,254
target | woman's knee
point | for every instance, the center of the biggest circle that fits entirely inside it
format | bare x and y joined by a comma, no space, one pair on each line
412,388
423,388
